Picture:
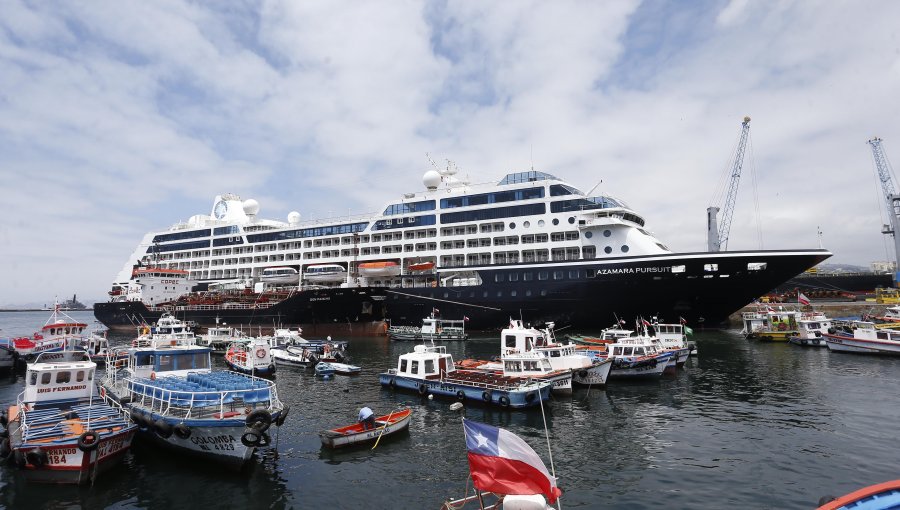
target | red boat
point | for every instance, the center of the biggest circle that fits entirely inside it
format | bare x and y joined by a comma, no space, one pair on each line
356,434
881,496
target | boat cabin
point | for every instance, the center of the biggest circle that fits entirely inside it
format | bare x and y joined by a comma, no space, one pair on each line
517,338
526,364
634,347
63,328
59,376
426,362
169,360
434,326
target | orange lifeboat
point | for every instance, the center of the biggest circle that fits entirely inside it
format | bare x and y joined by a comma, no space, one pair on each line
421,266
384,268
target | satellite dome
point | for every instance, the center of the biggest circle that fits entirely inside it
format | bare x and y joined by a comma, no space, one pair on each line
251,207
293,217
431,179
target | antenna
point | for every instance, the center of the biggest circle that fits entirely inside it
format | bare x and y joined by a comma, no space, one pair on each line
592,189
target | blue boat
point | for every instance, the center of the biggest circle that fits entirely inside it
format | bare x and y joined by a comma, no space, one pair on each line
429,370
881,496
324,369
178,402
252,357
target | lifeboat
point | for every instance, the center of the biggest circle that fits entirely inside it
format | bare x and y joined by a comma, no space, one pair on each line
385,268
421,266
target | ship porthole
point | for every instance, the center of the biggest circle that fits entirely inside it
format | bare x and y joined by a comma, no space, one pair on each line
588,234
556,221
607,233
608,249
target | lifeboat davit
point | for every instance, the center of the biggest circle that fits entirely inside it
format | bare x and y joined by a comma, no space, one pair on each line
385,268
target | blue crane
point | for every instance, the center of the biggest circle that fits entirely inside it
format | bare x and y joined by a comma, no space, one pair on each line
717,236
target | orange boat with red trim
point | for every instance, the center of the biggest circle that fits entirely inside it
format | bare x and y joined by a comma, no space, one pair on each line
382,268
881,496
356,434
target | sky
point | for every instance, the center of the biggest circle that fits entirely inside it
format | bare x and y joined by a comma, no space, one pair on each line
122,117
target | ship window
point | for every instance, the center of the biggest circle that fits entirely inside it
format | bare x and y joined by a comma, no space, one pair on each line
710,267
608,249
629,351
607,233
512,226
528,292
63,376
756,266
510,340
402,365
526,224
79,376
527,277
679,269
571,219
624,248
543,275
639,351
164,363
513,293
414,367
540,223
499,277
499,293
559,275
573,274
556,221
591,273
429,366
588,234
45,378
543,292
32,380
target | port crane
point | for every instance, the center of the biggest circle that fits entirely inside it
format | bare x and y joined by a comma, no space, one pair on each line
892,199
717,235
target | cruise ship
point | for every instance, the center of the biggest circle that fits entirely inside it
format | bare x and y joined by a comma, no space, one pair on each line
529,246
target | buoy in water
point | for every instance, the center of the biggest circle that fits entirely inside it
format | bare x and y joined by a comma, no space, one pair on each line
456,406
430,397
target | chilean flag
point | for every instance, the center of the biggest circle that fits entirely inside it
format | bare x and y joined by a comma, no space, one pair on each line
802,299
501,462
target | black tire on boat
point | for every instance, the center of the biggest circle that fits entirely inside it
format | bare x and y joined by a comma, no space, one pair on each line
529,397
279,421
251,437
4,433
461,395
125,400
19,459
259,420
36,457
182,431
830,331
392,383
504,400
162,428
486,395
582,373
423,389
88,441
4,420
5,449
71,415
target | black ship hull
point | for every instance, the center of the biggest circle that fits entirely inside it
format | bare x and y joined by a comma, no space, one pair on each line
859,283
318,311
701,288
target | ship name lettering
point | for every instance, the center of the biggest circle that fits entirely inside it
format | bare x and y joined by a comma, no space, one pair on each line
223,439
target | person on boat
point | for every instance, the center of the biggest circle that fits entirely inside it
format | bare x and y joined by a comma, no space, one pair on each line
367,418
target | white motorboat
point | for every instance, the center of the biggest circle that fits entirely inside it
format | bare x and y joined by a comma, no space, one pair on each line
863,337
280,275
323,273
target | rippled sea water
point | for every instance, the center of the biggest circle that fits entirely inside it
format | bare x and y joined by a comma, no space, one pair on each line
744,425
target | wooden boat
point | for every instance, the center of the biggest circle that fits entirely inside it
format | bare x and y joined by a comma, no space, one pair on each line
881,496
355,434
384,268
60,430
59,333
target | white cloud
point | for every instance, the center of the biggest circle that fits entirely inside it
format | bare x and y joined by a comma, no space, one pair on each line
121,117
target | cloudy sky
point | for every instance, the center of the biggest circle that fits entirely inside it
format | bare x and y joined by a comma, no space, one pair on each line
121,117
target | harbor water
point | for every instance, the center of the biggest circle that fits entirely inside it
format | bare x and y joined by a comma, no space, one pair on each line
744,425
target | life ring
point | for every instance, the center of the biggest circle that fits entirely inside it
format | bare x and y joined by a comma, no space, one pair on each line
152,376
36,457
138,420
423,389
461,395
504,400
88,441
279,421
259,420
486,395
162,428
182,431
251,438
260,353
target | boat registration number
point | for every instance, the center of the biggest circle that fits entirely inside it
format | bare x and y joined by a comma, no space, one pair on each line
224,442
59,456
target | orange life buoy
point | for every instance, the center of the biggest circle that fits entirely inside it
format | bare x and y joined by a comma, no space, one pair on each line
152,376
260,353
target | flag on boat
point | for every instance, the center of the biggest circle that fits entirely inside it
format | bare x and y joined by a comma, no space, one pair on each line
802,299
435,310
502,463
683,322
644,322
465,318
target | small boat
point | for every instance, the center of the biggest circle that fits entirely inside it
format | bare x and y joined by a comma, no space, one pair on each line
420,266
881,496
60,430
324,369
280,275
252,357
355,434
325,273
810,331
344,368
59,333
96,345
433,329
863,337
383,268
779,325
219,338
8,355
638,357
430,370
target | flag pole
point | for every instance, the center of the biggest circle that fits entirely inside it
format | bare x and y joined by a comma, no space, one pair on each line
549,450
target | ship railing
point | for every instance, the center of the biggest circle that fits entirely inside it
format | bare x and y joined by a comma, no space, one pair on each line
223,306
49,424
178,400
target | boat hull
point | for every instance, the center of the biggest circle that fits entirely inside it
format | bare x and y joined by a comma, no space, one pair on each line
597,375
639,370
860,346
263,371
510,399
